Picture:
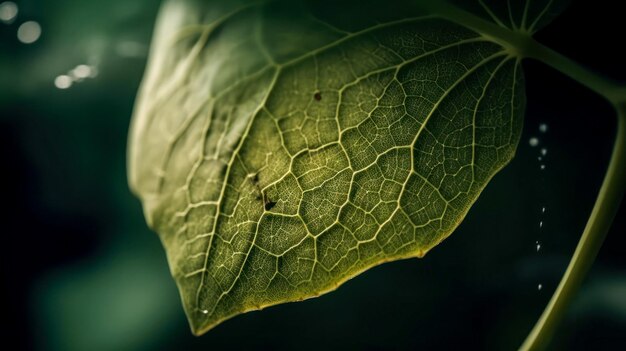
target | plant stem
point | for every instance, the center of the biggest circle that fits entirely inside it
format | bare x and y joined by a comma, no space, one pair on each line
597,227
522,44
610,90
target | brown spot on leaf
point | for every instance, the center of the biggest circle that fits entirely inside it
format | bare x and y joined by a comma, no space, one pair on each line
318,96
269,205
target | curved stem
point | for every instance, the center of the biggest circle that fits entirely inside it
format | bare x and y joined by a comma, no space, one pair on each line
598,225
522,44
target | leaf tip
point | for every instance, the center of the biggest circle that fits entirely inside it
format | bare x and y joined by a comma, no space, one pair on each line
199,323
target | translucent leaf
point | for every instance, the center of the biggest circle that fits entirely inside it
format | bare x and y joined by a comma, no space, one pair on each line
280,149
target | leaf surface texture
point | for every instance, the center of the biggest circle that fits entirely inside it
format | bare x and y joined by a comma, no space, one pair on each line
280,149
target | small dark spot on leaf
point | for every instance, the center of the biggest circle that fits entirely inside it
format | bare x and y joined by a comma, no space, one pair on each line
255,178
258,197
318,96
269,205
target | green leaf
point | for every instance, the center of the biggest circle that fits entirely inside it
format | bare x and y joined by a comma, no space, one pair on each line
280,149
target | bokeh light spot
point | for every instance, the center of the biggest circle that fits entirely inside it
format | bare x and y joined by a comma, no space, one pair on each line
29,32
8,11
63,81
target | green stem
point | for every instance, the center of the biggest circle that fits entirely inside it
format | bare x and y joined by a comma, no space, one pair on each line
522,44
595,231
610,90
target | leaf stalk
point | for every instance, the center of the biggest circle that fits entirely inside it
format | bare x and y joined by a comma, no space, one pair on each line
523,45
598,225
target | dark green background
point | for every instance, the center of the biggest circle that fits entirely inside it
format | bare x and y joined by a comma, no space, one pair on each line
81,271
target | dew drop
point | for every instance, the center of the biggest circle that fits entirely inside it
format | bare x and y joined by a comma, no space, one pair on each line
205,311
539,287
543,209
540,224
533,141
538,246
544,151
539,158
543,127
542,167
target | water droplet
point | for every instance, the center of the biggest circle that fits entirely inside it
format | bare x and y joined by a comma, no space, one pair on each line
533,141
63,81
543,209
542,167
29,32
538,246
8,11
540,224
205,311
544,151
539,287
543,127
539,158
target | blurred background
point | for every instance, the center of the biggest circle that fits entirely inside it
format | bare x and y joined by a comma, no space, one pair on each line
81,271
